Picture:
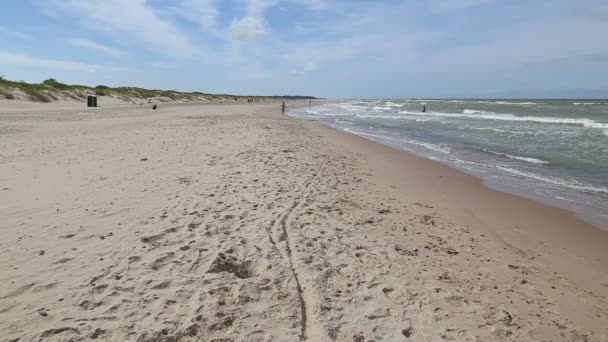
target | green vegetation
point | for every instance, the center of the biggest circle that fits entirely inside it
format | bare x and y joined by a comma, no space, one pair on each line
47,91
7,95
53,90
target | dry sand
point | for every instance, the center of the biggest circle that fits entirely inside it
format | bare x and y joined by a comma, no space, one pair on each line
233,223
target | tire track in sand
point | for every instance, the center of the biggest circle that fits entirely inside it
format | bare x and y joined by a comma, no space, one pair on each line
304,294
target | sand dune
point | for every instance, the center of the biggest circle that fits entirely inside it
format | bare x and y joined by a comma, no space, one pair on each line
230,222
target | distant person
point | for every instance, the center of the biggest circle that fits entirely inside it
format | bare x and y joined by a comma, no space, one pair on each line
462,109
154,107
283,107
424,108
309,103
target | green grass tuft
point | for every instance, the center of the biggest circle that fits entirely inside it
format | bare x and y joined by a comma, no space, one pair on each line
37,96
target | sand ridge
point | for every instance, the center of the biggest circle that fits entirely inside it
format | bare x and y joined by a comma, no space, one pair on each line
233,223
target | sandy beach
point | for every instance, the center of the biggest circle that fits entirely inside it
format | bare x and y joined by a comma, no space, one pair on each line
231,222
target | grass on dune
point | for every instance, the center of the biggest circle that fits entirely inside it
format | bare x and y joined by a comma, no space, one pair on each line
52,90
46,91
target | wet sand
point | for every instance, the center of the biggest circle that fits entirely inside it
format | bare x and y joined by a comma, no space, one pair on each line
231,222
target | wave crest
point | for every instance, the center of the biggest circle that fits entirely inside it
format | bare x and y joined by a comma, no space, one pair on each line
557,181
526,159
584,122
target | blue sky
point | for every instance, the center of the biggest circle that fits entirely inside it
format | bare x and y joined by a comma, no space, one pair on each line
336,49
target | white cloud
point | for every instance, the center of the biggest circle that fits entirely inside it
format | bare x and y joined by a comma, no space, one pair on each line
537,43
249,28
126,19
315,5
85,43
202,12
257,7
453,5
308,67
14,34
9,58
253,26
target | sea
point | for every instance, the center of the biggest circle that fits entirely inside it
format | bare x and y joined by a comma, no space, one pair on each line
553,151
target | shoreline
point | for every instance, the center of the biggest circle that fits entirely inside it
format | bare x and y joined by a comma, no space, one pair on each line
552,225
233,221
591,215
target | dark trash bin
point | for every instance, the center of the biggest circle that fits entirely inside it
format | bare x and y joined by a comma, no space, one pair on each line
91,101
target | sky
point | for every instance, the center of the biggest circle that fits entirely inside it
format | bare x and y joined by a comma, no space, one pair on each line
324,48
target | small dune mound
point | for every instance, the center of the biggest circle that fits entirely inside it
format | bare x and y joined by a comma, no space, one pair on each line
229,263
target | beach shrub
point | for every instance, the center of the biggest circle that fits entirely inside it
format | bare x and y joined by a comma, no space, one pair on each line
7,95
52,96
37,96
53,83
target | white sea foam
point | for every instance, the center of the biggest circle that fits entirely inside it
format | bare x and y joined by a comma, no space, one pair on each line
588,123
469,162
516,103
397,117
498,130
392,104
313,111
378,116
343,122
380,108
526,159
429,146
348,107
557,181
564,198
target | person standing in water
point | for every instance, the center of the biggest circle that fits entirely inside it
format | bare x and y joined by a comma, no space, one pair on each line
283,107
424,108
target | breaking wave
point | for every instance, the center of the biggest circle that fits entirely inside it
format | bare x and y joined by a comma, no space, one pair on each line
557,181
526,159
